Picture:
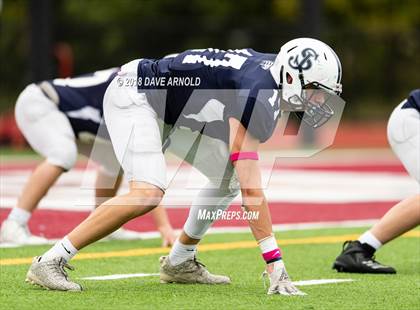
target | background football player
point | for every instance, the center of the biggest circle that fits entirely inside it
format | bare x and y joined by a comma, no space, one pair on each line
234,109
404,138
60,118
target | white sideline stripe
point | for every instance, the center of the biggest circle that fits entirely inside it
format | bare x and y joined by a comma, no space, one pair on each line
120,276
320,281
141,275
244,229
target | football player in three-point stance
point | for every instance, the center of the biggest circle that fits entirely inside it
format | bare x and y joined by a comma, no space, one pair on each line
60,119
404,138
228,103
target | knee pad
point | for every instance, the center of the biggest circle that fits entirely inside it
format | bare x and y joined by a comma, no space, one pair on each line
64,156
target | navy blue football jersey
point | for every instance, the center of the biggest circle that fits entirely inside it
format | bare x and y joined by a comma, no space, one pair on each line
80,98
413,100
200,89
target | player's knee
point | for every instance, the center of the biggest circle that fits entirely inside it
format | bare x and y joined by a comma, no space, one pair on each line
64,157
149,197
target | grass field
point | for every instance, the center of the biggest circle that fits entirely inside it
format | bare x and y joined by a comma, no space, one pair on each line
308,255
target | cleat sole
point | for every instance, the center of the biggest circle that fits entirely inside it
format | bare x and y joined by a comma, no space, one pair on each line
31,279
165,282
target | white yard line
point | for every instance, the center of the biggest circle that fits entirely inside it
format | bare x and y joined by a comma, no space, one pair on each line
120,276
320,281
142,275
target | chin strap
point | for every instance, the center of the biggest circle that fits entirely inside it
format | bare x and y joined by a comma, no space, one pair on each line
302,81
243,155
281,77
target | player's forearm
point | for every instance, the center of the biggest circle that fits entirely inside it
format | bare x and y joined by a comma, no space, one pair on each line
253,198
249,177
254,201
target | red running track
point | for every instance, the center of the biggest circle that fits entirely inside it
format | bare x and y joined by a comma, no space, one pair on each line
354,167
55,224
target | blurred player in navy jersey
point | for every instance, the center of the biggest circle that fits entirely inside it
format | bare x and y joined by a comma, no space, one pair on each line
404,138
227,103
60,119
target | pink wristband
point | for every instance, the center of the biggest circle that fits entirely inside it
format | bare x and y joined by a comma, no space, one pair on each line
243,155
272,255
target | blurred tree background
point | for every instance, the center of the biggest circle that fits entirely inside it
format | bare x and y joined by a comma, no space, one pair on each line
377,40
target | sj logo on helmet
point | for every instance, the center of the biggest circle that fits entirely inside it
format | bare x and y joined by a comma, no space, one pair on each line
306,62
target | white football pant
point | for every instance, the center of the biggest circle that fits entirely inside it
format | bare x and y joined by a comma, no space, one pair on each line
404,138
49,133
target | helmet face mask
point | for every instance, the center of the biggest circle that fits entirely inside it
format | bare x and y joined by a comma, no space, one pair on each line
314,105
317,110
308,73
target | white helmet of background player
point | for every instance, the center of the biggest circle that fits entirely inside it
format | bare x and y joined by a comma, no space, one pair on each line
306,70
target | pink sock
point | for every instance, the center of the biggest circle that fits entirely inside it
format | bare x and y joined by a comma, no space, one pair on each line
270,250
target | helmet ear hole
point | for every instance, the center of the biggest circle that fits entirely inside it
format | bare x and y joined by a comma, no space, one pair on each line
289,78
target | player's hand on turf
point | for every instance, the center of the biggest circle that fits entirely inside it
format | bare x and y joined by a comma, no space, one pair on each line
285,288
280,282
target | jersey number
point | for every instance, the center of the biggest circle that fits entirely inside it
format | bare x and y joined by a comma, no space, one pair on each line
232,58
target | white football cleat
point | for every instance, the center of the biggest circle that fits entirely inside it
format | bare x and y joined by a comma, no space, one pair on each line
280,282
123,234
15,233
51,275
190,271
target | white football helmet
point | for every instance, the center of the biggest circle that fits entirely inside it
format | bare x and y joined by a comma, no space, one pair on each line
308,73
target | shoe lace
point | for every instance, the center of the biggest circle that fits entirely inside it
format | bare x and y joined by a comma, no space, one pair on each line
59,269
197,263
197,266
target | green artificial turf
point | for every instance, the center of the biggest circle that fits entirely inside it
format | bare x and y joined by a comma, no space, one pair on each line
244,266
